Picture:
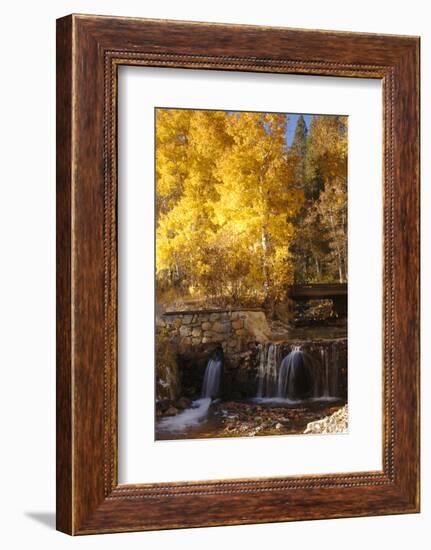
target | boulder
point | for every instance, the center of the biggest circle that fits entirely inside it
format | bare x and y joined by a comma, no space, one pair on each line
187,319
172,411
176,322
183,403
221,327
185,331
168,379
257,326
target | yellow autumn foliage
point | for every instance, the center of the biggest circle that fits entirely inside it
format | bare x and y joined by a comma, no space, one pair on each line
227,203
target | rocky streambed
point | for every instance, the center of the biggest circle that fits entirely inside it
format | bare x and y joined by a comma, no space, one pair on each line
243,418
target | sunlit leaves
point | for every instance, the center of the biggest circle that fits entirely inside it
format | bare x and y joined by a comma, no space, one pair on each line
239,216
321,230
224,204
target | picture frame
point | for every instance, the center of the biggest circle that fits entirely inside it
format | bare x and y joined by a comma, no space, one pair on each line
89,51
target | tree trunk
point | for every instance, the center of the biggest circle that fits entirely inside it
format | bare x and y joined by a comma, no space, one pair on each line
264,242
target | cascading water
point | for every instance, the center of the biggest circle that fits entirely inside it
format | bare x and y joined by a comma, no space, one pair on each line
327,382
295,378
189,417
324,359
211,384
267,370
199,410
300,374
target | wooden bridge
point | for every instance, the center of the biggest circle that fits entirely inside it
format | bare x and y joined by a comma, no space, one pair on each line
337,292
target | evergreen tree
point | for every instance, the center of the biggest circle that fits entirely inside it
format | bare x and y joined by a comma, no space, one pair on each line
320,245
298,151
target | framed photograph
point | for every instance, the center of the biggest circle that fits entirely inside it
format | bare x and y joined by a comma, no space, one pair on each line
237,274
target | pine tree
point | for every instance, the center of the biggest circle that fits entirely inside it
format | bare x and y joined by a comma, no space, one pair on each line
298,151
321,237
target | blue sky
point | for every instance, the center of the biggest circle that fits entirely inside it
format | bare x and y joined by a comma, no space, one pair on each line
291,126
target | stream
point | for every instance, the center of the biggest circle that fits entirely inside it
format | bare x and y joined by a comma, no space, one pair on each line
295,383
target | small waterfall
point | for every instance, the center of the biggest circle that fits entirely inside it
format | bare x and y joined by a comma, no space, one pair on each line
325,366
211,383
267,370
200,408
327,383
335,372
295,379
302,373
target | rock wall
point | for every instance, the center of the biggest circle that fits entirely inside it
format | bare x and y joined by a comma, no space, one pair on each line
230,329
242,334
